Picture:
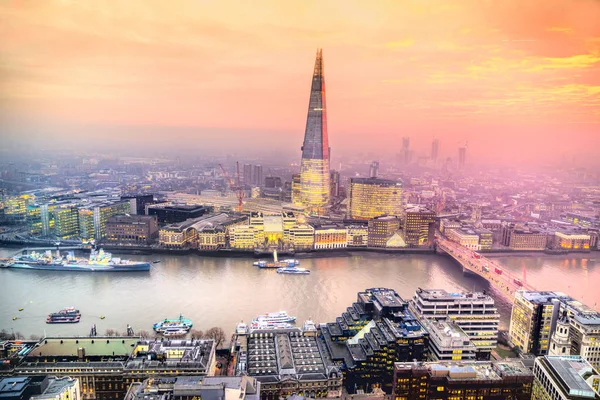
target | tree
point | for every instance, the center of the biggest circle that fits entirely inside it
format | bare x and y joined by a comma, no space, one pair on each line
110,332
34,337
4,334
144,334
217,335
18,336
197,334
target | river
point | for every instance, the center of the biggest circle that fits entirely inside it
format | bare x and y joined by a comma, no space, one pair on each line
223,291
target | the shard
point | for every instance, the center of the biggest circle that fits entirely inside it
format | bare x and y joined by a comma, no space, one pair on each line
314,167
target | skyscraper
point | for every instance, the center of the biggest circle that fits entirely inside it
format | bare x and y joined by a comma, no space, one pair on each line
373,170
247,174
257,175
435,146
314,167
462,157
406,150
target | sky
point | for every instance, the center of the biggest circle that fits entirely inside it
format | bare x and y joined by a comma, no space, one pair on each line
515,79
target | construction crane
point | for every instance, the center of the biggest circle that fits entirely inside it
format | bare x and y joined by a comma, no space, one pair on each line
239,190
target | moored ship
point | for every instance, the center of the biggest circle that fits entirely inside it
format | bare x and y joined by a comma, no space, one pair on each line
173,324
67,315
293,270
274,318
290,262
98,261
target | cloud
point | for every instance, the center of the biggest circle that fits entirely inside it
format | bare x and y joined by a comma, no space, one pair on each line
400,44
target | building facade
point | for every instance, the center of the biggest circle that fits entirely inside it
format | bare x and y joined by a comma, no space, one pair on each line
131,229
373,197
314,166
418,226
570,241
330,236
462,380
564,378
523,238
380,229
475,313
464,237
447,342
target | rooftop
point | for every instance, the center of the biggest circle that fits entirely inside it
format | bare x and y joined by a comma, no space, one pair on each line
542,297
94,347
572,371
195,354
441,294
469,370
375,181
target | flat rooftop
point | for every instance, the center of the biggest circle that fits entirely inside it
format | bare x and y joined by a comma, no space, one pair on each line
572,372
385,297
441,294
543,297
469,370
94,347
376,181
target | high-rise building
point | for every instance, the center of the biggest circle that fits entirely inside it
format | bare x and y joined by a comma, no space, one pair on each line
381,229
564,378
66,222
103,212
447,342
314,166
373,197
257,175
138,202
272,182
533,318
335,183
435,146
462,157
296,189
475,313
373,169
462,380
247,174
405,150
418,226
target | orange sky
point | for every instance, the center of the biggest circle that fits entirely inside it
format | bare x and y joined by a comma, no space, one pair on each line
498,73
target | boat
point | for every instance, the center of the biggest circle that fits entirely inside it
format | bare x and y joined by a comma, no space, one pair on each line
273,318
293,270
277,325
309,325
21,309
174,332
276,263
179,323
98,261
67,315
155,261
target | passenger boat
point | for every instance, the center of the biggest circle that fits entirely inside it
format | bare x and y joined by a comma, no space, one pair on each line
274,318
179,323
276,325
67,315
99,261
174,332
293,270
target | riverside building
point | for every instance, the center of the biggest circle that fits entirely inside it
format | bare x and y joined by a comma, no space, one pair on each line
418,225
373,197
475,313
462,380
447,342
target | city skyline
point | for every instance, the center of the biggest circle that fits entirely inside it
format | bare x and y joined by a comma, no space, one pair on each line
512,80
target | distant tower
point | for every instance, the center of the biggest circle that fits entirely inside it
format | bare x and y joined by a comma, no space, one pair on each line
462,157
560,344
257,175
405,150
247,174
335,183
374,169
435,145
314,166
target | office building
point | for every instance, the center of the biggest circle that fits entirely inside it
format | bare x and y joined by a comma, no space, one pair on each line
358,235
208,232
22,387
374,332
330,236
462,380
465,237
273,182
170,214
257,175
98,214
435,146
106,366
195,387
373,169
247,174
296,189
66,222
418,225
447,342
462,157
138,203
381,229
584,330
570,241
533,318
286,362
522,237
475,313
485,238
314,166
335,183
302,237
86,223
373,197
131,229
64,388
564,378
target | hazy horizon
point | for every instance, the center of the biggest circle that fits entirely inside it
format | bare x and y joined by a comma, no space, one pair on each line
518,81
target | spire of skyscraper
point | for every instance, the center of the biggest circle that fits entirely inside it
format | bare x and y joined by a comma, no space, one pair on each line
314,166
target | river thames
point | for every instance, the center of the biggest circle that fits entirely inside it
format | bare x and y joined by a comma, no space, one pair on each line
224,291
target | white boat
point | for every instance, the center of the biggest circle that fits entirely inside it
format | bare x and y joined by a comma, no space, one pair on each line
170,332
293,270
309,325
277,325
274,317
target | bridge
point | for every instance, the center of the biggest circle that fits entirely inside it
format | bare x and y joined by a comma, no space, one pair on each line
501,279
